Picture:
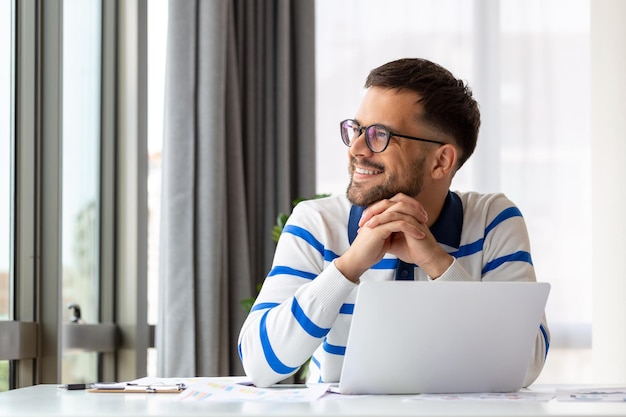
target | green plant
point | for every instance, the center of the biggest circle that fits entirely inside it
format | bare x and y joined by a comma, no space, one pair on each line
4,376
247,303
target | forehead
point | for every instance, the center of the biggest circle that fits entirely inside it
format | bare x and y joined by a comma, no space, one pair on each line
389,107
400,111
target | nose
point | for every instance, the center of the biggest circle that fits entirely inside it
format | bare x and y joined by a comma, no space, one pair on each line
359,146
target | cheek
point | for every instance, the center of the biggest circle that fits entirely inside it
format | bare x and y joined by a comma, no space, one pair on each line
401,164
411,169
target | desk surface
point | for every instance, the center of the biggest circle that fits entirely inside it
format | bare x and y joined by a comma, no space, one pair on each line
50,401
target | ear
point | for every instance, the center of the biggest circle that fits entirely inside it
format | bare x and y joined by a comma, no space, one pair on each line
445,161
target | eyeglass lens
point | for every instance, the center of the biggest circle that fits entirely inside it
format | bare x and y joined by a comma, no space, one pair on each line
376,137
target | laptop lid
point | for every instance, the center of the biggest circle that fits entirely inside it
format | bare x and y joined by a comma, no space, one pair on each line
411,337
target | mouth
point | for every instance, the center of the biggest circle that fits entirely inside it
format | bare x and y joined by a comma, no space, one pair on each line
365,170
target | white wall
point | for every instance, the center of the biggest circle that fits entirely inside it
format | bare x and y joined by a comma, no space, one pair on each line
608,68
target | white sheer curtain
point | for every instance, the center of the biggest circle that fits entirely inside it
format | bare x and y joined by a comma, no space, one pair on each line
528,62
608,45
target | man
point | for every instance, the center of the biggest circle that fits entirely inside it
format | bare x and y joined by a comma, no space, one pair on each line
416,126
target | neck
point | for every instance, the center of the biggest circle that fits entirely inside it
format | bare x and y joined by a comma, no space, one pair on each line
433,203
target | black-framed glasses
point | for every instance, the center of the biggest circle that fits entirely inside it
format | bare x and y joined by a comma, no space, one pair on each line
376,136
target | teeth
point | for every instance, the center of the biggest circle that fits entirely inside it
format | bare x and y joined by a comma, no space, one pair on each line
365,171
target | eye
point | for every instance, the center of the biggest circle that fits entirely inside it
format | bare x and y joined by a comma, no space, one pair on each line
380,133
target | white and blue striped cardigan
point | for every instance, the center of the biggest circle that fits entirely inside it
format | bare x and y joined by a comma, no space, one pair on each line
304,308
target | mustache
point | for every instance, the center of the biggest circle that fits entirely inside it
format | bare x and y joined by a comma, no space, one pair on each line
365,163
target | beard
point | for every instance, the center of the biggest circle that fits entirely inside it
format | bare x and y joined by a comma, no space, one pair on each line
411,184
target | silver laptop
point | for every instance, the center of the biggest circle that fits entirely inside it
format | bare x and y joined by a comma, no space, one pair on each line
412,337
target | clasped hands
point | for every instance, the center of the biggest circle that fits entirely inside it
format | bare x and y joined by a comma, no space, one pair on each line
399,226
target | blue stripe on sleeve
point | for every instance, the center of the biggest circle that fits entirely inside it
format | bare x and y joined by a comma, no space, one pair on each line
306,236
334,349
521,256
329,255
386,264
545,338
475,247
505,214
271,358
286,270
262,306
306,323
315,361
346,309
469,249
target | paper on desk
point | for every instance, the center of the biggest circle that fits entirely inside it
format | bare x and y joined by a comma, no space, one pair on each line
521,396
188,381
217,390
616,394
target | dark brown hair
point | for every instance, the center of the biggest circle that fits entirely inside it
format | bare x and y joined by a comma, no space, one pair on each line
448,102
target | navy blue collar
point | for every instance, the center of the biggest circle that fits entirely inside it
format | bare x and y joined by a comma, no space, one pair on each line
447,229
353,221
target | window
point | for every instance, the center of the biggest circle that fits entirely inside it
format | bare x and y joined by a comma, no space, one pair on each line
71,166
521,58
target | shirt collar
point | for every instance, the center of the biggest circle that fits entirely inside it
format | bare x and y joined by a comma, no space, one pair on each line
447,229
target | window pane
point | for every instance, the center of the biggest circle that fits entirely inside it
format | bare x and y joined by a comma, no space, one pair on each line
6,167
81,168
157,38
6,160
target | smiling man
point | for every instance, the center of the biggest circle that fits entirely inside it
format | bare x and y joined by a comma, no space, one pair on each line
416,126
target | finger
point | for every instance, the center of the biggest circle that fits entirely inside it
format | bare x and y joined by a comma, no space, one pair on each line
396,222
406,210
412,202
375,209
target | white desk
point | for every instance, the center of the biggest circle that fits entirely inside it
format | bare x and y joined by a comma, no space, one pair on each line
49,401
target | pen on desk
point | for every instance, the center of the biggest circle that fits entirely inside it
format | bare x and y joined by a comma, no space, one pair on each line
72,387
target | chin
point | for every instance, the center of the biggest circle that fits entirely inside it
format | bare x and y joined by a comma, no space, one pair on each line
356,196
360,197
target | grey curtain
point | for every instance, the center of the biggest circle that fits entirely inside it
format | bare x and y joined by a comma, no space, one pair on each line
239,147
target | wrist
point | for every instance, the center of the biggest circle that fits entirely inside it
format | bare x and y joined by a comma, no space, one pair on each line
437,267
348,269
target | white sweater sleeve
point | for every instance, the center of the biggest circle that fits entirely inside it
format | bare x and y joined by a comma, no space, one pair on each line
296,307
